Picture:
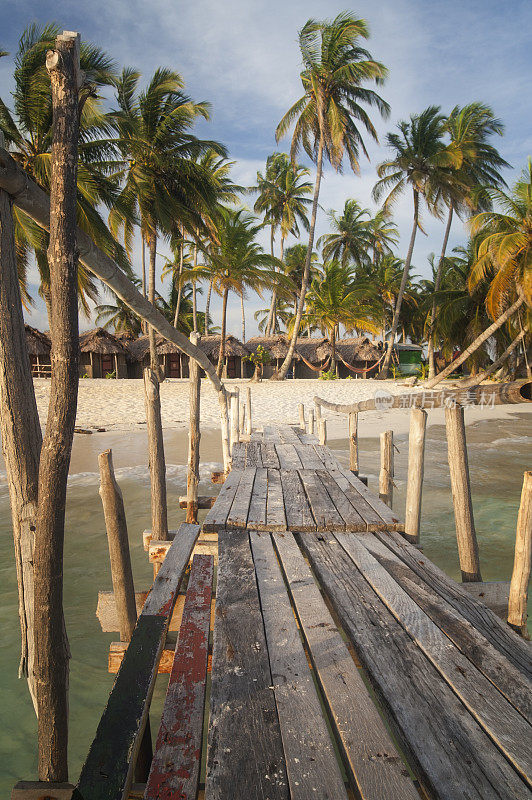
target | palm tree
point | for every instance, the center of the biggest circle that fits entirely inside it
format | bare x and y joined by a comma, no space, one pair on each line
282,198
118,316
421,161
335,298
159,163
350,241
469,129
28,134
383,235
385,276
335,69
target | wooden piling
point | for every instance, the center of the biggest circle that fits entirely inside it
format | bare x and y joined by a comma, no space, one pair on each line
466,536
317,414
310,423
416,462
517,603
249,419
353,442
242,418
386,473
235,429
302,423
322,431
159,514
194,435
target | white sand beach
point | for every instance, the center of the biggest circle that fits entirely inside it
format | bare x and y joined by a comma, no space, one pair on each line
118,405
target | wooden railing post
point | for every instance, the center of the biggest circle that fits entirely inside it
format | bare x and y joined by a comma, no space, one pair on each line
159,513
517,603
317,414
386,473
310,423
416,460
242,417
353,442
249,419
322,430
194,435
235,427
302,423
466,536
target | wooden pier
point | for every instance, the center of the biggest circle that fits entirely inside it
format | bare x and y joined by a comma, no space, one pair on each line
344,663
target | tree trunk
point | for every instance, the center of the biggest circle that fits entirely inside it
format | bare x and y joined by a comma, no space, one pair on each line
269,321
281,375
179,286
51,643
333,345
156,461
221,353
399,301
474,381
143,324
154,360
21,435
432,369
207,308
194,295
490,330
242,310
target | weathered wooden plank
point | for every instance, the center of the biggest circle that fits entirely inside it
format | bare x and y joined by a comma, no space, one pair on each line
176,761
515,649
269,456
275,515
298,514
238,455
375,766
245,758
310,759
372,519
108,769
308,456
117,651
257,506
329,459
449,752
287,434
238,514
217,516
288,457
471,642
389,516
351,517
323,509
307,438
271,434
506,727
253,453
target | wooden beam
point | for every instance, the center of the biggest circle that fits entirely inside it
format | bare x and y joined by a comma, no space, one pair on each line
159,513
517,603
353,442
386,473
194,435
416,460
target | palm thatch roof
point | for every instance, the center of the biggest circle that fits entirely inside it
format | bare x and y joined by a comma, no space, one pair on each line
37,342
139,348
358,348
233,346
276,345
100,341
313,349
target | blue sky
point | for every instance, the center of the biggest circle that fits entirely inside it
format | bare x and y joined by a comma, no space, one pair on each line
242,56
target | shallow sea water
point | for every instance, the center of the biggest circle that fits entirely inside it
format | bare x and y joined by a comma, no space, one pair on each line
499,453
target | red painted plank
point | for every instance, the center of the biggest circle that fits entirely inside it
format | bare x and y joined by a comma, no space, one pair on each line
174,773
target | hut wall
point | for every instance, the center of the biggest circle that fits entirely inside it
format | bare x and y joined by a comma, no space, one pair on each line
121,365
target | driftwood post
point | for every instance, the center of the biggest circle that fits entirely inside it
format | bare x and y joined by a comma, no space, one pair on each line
249,419
416,460
466,536
302,423
317,414
322,430
21,434
353,442
517,603
194,436
51,643
242,418
159,513
310,423
235,430
386,473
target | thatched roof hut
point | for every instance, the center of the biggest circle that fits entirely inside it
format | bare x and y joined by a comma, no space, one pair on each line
233,346
38,343
313,349
100,341
276,345
102,354
358,348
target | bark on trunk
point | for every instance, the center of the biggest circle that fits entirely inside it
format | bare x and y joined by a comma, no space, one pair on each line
51,643
432,368
243,312
281,375
156,460
21,435
207,308
474,381
221,353
194,294
269,321
154,360
179,286
490,330
399,301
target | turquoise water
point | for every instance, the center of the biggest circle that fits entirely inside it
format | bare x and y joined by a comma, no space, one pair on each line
499,452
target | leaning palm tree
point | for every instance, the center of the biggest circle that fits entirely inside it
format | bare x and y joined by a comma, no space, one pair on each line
421,161
470,129
327,119
350,240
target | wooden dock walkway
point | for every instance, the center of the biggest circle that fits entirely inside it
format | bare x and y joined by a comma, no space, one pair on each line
344,663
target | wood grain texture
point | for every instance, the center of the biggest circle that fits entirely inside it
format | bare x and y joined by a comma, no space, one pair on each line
217,516
245,756
352,519
238,513
257,506
298,514
288,457
275,514
323,509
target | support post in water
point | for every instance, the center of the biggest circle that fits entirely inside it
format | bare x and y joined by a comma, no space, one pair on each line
353,442
159,513
310,423
517,603
322,431
302,423
466,536
386,473
416,461
249,419
235,427
317,414
194,436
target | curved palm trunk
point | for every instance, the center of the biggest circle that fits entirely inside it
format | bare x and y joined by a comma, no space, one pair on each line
269,321
473,347
474,381
143,325
221,352
333,345
179,286
243,316
274,294
154,361
194,295
207,308
432,367
281,375
398,303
